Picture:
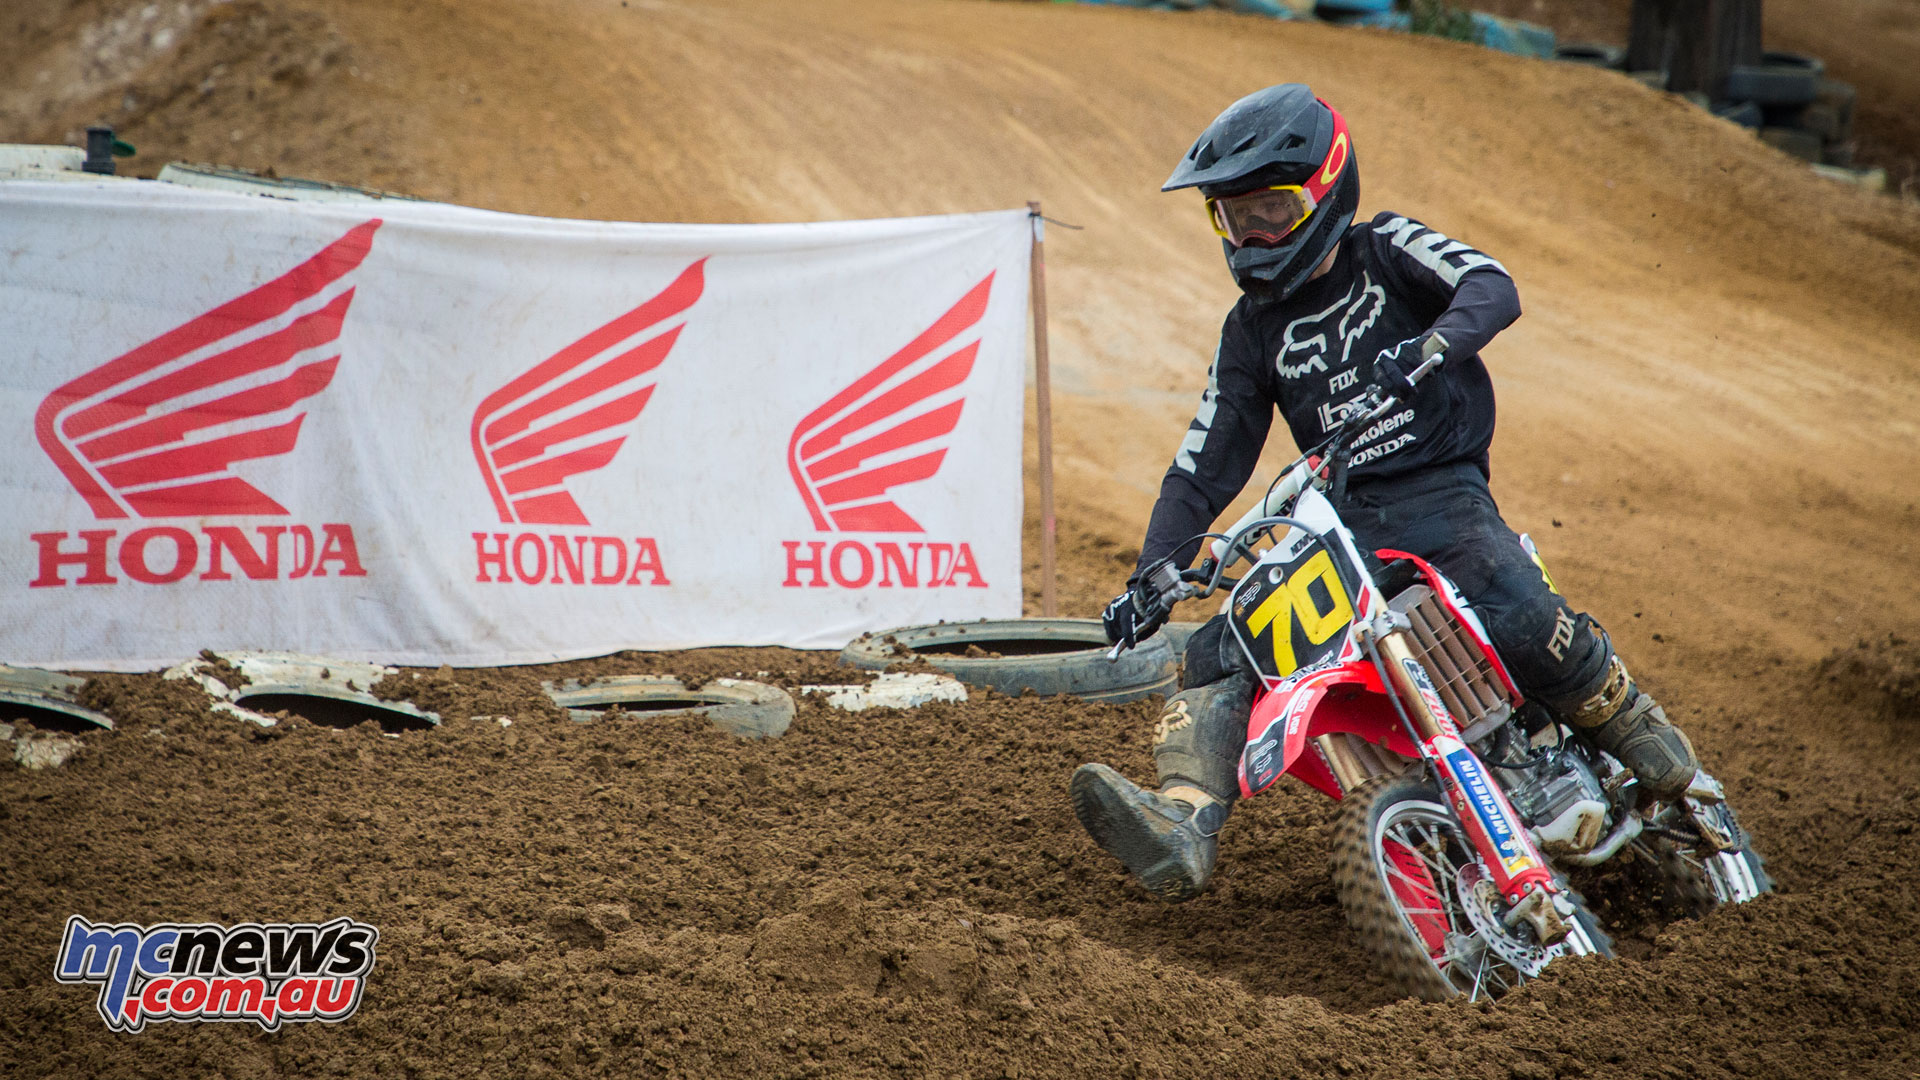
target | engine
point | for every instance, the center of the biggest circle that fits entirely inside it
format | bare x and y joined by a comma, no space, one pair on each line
1562,802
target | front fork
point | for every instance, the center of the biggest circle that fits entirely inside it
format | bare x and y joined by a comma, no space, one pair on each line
1518,869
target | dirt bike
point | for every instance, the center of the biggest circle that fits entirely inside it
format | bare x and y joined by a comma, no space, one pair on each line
1460,801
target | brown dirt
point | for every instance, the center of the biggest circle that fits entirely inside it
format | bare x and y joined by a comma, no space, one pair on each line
887,892
1707,419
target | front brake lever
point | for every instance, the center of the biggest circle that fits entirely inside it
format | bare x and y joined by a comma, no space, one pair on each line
1168,587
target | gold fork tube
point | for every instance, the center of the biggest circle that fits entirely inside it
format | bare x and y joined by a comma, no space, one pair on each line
1397,653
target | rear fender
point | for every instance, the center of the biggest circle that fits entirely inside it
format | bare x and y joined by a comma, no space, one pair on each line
1348,698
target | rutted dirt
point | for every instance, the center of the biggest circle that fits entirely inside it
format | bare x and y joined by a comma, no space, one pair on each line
1706,420
1881,676
880,893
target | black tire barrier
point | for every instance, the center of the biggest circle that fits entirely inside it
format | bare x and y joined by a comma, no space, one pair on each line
1744,113
1782,59
749,709
48,699
1824,120
1840,95
330,707
321,690
1012,656
1829,115
1177,634
1611,57
1804,145
1780,79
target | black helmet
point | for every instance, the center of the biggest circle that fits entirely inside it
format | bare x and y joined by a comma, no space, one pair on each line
1286,155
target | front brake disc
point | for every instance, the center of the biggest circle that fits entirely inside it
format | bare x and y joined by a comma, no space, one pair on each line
1478,895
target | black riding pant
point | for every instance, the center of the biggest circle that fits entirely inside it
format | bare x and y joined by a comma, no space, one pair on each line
1446,516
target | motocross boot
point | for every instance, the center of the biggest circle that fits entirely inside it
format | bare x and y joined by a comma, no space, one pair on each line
1167,838
1626,722
1168,843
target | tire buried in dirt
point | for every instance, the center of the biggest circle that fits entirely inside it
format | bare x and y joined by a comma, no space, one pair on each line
1012,656
1373,886
1178,634
749,709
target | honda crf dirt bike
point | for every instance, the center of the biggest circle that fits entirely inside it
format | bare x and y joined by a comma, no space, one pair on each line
1459,800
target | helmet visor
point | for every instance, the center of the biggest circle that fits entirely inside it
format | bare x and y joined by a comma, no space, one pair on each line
1262,217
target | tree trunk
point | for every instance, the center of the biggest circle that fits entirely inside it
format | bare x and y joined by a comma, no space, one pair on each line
1694,43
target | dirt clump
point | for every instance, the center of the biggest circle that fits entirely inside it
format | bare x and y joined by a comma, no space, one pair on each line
144,701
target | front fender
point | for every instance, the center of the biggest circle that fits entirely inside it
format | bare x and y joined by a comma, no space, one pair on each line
1348,698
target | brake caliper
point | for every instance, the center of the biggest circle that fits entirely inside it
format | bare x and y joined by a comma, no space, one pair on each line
1538,910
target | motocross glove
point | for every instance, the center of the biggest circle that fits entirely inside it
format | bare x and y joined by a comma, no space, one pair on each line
1393,369
1133,616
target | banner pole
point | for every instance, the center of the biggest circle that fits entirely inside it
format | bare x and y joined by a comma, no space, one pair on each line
1043,396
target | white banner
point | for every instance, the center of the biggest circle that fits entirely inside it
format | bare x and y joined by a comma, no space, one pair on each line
425,434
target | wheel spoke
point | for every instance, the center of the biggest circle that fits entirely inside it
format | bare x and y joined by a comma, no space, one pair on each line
1479,975
1504,984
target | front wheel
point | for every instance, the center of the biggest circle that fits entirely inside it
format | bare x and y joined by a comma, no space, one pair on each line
1423,904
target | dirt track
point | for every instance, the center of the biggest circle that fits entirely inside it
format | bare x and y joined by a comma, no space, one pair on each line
1707,421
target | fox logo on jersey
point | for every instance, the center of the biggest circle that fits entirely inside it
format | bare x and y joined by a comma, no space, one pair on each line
1307,344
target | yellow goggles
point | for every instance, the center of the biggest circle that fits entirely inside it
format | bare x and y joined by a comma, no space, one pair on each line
1263,217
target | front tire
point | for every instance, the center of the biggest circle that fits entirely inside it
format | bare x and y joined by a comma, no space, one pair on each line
1415,892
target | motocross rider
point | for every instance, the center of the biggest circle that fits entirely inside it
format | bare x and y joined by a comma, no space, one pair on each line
1328,308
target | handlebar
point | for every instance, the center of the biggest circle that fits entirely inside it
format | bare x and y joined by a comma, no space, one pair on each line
1301,472
1172,585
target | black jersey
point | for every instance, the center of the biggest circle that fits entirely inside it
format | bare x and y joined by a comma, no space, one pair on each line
1392,279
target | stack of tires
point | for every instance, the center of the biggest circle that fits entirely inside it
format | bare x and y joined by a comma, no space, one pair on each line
1794,105
1378,13
1611,57
1274,9
1786,98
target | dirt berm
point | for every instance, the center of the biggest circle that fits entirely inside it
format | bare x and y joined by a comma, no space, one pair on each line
1708,420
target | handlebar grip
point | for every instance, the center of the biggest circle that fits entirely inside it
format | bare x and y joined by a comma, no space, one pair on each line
1433,352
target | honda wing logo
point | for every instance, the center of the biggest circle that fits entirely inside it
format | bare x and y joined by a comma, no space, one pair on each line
155,431
568,413
888,428
880,432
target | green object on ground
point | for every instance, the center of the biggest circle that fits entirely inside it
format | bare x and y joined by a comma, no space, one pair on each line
1441,19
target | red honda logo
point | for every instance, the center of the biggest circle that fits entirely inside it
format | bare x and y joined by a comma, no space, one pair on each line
550,423
848,454
154,432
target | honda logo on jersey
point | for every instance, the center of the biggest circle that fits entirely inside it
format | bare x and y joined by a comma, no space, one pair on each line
886,429
156,432
570,414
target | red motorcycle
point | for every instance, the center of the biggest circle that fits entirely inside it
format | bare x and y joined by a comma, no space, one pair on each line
1459,800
